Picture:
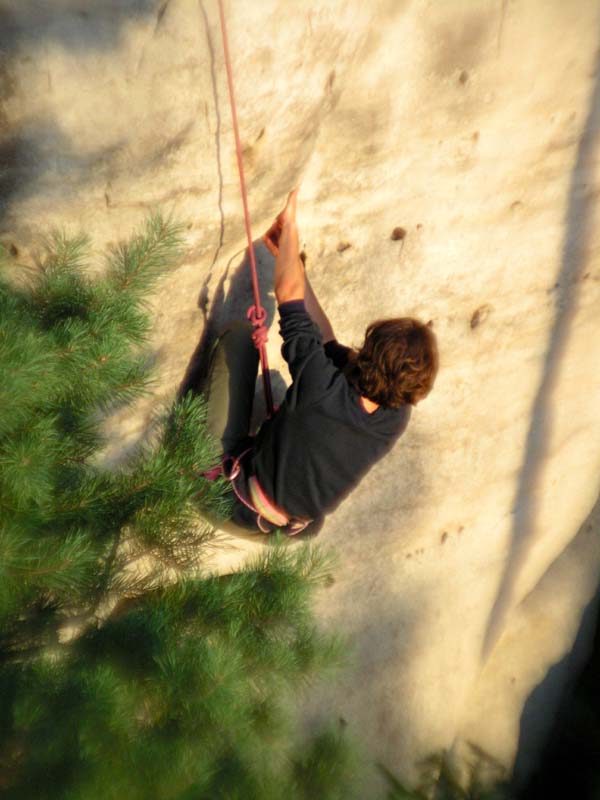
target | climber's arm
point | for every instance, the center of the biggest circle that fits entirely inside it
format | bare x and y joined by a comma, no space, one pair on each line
289,281
316,313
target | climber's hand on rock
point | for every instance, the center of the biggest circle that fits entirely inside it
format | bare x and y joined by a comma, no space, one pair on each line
288,215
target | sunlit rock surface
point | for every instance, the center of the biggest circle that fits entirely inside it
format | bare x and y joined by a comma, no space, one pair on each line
466,558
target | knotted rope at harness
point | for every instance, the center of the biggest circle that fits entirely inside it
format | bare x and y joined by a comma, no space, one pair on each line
256,313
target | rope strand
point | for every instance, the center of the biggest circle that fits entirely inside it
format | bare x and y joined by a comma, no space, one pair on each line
256,313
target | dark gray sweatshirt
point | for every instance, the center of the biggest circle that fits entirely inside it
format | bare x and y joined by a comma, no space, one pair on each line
320,442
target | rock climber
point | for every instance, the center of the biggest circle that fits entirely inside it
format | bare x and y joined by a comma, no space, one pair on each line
344,410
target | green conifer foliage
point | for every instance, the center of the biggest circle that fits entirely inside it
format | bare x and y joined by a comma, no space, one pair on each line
180,695
70,350
167,691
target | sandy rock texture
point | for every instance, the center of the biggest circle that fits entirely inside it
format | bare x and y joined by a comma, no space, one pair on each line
466,560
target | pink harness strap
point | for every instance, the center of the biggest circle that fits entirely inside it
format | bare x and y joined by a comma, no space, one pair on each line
261,505
266,507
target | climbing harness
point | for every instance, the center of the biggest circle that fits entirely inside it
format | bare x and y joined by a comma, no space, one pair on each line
256,313
258,502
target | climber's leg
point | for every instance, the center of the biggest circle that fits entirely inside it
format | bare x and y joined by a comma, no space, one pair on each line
231,384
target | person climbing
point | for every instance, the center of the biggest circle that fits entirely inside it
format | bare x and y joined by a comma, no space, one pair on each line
344,410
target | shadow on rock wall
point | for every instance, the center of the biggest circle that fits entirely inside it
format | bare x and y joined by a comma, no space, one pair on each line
37,154
559,728
73,24
575,254
478,776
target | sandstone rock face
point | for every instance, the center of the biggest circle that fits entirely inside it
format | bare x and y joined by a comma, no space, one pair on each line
466,559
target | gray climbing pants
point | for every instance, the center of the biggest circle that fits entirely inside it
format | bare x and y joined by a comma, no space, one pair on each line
230,385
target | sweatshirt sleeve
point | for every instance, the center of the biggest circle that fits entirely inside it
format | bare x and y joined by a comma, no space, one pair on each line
313,373
337,352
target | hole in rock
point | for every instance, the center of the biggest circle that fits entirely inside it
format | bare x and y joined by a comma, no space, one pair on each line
398,234
479,316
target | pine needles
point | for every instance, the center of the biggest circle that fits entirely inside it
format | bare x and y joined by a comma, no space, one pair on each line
177,692
70,349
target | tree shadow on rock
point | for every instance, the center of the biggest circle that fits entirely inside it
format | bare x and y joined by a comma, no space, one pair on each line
73,24
478,776
575,256
38,156
35,154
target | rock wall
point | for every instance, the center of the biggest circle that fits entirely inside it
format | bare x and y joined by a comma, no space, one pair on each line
466,559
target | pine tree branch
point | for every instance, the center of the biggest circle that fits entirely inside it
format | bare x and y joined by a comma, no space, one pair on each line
104,580
146,258
136,266
177,692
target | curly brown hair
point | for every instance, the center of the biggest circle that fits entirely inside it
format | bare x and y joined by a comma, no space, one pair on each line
397,363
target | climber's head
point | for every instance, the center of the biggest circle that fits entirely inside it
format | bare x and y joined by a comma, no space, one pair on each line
397,363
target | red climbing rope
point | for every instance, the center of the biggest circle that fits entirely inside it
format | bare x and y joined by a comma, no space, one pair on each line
256,313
